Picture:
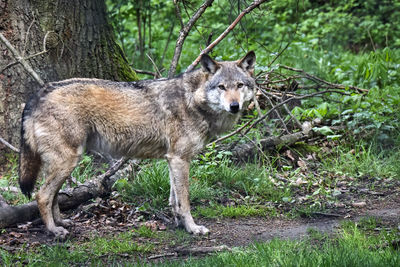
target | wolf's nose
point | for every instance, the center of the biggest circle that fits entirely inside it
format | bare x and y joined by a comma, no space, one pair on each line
234,107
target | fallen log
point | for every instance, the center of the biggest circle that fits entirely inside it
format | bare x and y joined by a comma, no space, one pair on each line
70,198
247,151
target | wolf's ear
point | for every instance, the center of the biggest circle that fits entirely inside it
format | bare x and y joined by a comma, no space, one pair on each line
247,62
208,64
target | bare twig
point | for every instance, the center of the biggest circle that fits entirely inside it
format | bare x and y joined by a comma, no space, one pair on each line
158,74
147,72
178,12
9,145
238,130
314,78
225,33
286,101
254,122
201,250
21,60
183,34
170,254
278,115
296,121
167,43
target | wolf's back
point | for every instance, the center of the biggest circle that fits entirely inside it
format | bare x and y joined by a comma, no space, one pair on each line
29,159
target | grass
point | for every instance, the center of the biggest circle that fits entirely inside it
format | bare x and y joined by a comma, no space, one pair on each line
220,211
362,160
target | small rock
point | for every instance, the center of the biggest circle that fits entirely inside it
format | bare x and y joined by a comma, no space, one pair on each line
361,204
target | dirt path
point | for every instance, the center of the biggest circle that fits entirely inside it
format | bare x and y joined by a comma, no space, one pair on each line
242,232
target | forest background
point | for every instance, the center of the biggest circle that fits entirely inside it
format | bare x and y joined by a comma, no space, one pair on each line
320,139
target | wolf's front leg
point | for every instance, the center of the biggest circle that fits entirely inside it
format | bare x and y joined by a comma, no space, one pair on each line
179,197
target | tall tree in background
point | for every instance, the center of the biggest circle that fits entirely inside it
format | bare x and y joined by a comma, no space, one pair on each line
60,39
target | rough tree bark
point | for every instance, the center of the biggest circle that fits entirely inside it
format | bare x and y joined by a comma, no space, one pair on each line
80,43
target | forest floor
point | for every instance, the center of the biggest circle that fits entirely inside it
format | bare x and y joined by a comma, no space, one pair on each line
111,218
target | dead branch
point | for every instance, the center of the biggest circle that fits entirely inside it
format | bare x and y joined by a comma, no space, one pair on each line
225,33
183,34
158,73
286,101
7,144
247,151
21,60
147,72
315,78
157,256
201,250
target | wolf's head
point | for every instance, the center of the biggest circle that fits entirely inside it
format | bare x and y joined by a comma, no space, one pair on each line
230,84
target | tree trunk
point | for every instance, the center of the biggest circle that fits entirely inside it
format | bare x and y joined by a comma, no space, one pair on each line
80,43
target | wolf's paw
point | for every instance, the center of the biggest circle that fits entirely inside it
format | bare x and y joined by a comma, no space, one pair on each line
59,232
197,229
65,222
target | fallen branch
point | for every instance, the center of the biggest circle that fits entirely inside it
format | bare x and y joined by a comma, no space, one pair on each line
171,254
67,199
225,33
247,151
7,144
201,250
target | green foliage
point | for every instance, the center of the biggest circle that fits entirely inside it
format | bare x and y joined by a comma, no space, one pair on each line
150,184
86,169
361,160
219,211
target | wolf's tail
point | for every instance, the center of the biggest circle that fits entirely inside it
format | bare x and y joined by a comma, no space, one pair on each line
29,159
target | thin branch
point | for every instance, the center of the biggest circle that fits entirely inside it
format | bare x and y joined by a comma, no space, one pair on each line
27,33
286,101
255,122
296,121
183,34
158,74
238,130
21,60
178,13
167,43
147,72
312,77
225,33
278,115
9,145
279,54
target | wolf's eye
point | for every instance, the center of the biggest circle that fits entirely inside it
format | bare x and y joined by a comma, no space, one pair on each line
240,85
222,87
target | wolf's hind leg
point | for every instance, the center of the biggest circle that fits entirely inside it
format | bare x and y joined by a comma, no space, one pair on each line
58,169
179,176
57,214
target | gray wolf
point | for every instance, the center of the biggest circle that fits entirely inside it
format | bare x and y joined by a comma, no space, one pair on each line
165,118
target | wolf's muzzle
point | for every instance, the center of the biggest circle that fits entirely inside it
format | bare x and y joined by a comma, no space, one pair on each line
234,107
